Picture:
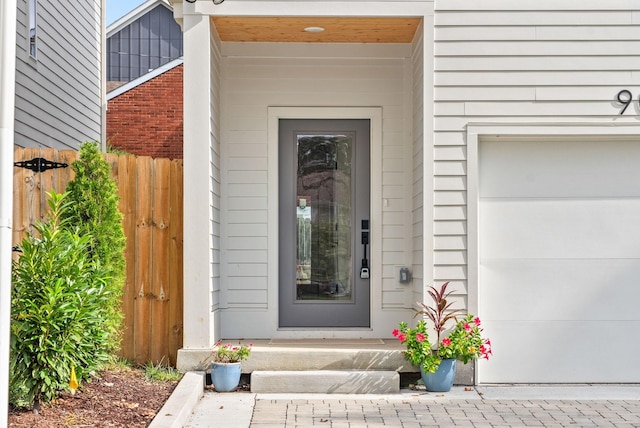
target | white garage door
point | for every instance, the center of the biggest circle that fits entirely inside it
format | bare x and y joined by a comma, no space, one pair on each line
559,248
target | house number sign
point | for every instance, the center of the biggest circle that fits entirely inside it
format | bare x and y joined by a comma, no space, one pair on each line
625,98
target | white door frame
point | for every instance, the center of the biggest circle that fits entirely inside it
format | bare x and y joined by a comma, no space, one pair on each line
378,326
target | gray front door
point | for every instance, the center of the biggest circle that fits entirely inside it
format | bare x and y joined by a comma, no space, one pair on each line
324,223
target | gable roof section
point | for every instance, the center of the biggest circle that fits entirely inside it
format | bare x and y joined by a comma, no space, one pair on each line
136,13
143,40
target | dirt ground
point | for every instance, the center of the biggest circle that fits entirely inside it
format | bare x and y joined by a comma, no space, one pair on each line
117,398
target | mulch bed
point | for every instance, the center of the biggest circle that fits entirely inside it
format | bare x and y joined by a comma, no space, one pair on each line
116,398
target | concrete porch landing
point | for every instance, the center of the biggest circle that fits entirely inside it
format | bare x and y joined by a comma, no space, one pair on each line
309,354
321,365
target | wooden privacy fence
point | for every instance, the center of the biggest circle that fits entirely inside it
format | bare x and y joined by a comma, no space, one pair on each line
151,200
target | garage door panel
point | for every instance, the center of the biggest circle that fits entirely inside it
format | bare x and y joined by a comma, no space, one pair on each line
547,228
560,169
559,259
559,289
561,352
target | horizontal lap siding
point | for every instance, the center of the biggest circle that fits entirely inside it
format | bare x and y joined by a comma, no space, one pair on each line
270,75
525,61
215,168
58,97
417,195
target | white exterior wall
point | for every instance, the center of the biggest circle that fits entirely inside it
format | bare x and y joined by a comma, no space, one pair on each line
257,76
215,170
59,94
418,152
422,152
202,184
529,62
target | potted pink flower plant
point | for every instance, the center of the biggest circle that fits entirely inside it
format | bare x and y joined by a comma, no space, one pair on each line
464,341
226,366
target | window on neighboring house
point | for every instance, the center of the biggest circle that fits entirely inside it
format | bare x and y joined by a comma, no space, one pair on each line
32,28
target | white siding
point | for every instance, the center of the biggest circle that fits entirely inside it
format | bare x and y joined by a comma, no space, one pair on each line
553,61
58,96
215,196
256,76
417,196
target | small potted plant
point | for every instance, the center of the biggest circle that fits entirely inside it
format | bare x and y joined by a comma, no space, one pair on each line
464,342
226,366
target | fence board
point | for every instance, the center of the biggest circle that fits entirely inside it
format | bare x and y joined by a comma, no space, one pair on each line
32,191
151,202
174,294
160,258
143,264
19,201
127,191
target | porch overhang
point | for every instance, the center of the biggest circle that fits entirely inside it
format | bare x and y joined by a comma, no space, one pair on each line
285,22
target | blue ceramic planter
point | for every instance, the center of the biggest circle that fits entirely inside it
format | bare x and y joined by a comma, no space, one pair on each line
225,376
442,379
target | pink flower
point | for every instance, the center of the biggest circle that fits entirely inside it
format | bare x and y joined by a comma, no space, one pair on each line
395,332
467,327
487,342
420,337
402,337
476,321
446,342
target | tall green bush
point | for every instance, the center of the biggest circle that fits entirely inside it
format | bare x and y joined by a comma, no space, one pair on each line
60,299
93,197
67,286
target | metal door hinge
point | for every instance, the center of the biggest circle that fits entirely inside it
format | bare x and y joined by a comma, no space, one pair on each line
40,164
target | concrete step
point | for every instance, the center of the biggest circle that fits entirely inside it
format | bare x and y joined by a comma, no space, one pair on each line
306,354
325,381
376,355
380,355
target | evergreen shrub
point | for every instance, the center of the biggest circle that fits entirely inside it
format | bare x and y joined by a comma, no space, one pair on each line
59,298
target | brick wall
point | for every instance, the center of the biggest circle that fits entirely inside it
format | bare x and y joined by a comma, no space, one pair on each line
147,120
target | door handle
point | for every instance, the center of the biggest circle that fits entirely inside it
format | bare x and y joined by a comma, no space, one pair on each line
364,238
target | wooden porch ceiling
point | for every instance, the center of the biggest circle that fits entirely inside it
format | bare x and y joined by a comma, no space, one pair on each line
336,30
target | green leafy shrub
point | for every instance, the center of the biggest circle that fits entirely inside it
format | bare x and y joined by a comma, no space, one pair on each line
60,299
93,208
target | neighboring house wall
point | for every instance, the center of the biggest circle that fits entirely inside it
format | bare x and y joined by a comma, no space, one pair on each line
258,75
147,119
152,40
555,65
59,93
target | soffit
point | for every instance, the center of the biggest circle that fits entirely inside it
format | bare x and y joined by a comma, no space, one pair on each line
337,30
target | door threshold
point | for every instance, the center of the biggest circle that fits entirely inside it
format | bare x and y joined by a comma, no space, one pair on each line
320,341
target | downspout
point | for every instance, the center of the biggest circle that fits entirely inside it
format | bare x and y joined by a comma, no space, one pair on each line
103,75
8,18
